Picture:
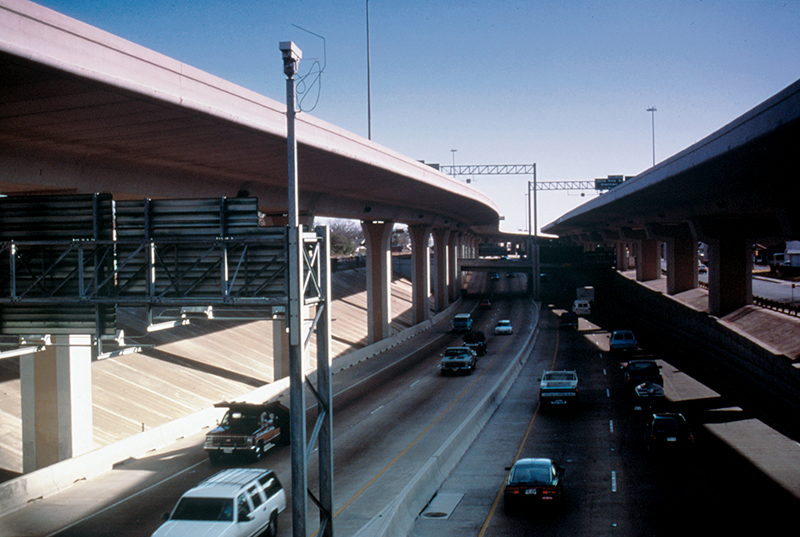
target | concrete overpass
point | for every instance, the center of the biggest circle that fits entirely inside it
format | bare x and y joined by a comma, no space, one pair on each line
730,190
84,111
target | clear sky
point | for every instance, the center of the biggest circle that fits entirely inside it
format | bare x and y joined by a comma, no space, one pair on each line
564,84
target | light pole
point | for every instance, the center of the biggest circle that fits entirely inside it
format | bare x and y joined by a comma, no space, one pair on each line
533,236
291,57
369,86
652,111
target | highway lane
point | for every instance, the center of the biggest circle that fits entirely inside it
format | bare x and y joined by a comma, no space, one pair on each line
391,412
613,486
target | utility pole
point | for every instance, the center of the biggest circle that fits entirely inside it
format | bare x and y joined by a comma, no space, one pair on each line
652,111
369,84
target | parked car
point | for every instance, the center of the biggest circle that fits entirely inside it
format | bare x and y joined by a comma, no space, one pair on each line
641,370
458,360
462,322
533,481
558,388
476,340
622,341
249,429
668,430
240,502
582,307
504,327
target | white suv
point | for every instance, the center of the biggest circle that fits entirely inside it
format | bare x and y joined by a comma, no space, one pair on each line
235,502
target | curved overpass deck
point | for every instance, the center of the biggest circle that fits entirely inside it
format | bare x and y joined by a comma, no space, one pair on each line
82,110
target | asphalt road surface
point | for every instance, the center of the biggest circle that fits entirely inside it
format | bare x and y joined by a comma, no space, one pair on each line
613,486
393,411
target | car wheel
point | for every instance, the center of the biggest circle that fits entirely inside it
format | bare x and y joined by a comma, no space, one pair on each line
272,527
258,452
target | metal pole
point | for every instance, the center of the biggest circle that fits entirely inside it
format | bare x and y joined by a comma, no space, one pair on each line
530,240
537,272
291,57
652,111
325,405
369,84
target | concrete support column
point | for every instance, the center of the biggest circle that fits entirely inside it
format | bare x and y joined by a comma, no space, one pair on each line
56,396
455,272
470,247
280,349
622,256
379,277
730,274
730,262
680,255
681,261
420,272
648,260
441,238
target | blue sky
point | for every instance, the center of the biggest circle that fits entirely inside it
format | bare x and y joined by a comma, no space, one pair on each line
564,84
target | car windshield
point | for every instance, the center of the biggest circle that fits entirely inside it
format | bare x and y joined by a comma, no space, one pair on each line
643,367
238,422
538,475
667,425
213,509
504,323
454,352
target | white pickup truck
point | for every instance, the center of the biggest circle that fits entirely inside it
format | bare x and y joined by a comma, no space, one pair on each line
558,388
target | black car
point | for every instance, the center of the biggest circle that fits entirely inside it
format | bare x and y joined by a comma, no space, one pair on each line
568,319
642,370
668,430
533,481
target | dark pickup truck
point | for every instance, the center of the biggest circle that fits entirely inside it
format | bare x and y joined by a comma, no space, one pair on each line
476,340
249,429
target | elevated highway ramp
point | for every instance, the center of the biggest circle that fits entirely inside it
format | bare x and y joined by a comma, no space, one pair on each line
189,368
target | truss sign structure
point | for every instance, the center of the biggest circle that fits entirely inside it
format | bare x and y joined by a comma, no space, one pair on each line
529,169
67,261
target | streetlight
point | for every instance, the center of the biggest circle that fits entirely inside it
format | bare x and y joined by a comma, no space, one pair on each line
533,236
652,111
369,88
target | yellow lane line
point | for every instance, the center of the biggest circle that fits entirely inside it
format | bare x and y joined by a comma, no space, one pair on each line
516,456
379,474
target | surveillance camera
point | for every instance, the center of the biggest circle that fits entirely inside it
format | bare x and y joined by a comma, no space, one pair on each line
290,51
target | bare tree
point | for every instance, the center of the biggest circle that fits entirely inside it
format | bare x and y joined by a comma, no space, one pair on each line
346,236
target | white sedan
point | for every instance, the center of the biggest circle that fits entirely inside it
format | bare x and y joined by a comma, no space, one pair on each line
504,327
